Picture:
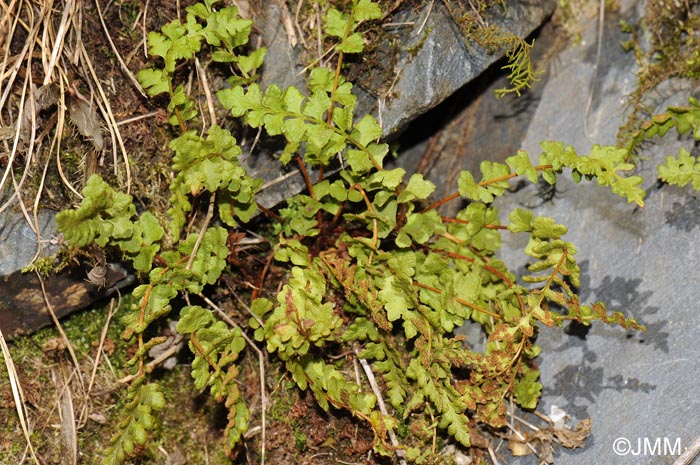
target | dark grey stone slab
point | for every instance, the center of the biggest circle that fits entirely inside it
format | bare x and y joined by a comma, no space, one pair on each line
444,61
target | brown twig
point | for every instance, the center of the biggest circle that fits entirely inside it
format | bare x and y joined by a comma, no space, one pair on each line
307,179
266,268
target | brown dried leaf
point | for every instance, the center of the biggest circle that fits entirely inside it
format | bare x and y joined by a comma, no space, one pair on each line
88,122
99,418
573,439
518,449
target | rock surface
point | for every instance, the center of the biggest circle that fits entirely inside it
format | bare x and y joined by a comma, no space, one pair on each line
23,307
638,388
441,64
18,243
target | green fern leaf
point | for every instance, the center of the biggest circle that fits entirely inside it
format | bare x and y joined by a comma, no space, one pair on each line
681,171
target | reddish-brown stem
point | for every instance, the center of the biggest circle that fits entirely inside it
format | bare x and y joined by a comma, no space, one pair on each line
336,217
202,352
142,314
458,300
488,268
180,121
486,182
309,186
447,219
178,115
442,201
261,282
305,173
483,183
269,213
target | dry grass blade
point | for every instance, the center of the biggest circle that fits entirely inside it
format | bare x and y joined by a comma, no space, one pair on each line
51,38
100,347
44,43
300,3
12,73
687,457
202,75
17,394
9,172
159,360
200,237
109,117
68,11
59,132
69,433
400,453
123,66
288,24
492,456
24,100
690,453
65,339
7,14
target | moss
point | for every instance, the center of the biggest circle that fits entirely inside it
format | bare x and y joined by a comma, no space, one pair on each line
673,50
39,372
412,50
186,423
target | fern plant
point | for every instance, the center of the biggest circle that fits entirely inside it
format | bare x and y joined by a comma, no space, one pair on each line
494,39
683,169
205,167
372,268
143,400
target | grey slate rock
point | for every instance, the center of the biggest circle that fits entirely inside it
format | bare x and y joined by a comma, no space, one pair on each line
441,65
640,387
18,243
444,63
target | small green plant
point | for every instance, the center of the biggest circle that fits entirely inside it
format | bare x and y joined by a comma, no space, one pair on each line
204,168
665,44
176,41
497,39
371,268
143,400
683,169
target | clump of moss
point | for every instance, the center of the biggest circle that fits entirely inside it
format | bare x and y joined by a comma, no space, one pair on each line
673,51
494,39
